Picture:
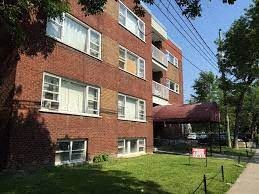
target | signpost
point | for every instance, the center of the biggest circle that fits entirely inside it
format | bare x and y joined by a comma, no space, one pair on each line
200,153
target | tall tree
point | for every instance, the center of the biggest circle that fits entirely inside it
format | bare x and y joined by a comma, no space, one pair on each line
241,60
206,88
250,113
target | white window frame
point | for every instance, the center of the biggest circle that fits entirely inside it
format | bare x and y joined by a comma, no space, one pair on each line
43,109
70,152
126,153
175,60
138,22
89,29
176,86
124,60
138,108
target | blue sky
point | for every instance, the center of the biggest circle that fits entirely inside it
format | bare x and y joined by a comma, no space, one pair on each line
215,15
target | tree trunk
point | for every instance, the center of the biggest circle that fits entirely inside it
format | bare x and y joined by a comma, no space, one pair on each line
253,126
228,131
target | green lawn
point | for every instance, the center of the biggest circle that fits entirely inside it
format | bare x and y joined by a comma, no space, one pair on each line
243,152
157,173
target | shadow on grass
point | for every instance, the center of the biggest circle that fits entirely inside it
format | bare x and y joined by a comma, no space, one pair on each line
84,179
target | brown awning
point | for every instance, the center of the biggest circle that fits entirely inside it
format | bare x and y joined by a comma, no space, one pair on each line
187,113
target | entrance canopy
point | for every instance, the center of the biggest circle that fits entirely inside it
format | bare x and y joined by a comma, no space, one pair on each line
187,113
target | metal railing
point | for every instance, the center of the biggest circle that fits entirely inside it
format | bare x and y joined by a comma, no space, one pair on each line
159,56
160,90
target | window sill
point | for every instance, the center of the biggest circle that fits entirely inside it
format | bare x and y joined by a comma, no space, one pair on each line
173,65
133,120
74,162
69,113
132,32
58,40
132,74
174,91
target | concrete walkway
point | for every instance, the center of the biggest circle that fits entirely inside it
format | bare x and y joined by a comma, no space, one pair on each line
248,181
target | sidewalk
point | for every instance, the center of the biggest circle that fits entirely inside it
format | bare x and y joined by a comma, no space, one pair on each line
248,181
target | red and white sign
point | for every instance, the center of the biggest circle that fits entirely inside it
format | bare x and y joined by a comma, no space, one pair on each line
199,152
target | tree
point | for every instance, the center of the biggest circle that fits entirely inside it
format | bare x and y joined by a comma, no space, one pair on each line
250,113
206,88
241,60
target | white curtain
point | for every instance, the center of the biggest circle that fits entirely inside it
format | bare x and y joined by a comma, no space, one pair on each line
75,34
132,23
141,68
72,97
131,108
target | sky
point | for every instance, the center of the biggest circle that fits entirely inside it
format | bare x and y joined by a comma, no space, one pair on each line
215,16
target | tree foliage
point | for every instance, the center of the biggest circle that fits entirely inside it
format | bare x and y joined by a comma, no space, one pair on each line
206,88
240,63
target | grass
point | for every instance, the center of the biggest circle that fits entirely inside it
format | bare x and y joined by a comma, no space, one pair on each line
157,173
243,152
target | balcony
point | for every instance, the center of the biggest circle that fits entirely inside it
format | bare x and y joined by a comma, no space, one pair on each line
158,28
159,57
160,90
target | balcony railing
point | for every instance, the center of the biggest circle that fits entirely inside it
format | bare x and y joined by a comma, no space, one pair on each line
159,56
160,90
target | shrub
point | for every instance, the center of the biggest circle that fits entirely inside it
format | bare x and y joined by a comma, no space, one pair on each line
100,158
105,157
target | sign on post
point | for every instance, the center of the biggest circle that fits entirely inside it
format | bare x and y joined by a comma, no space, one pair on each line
199,152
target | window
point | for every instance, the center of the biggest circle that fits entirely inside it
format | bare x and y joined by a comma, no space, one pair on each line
130,108
63,95
131,63
172,59
130,146
70,151
173,86
76,34
130,21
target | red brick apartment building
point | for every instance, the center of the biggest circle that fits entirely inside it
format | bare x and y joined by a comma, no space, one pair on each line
93,93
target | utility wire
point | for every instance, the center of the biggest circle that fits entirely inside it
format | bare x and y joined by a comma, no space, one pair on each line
194,34
196,31
182,33
198,50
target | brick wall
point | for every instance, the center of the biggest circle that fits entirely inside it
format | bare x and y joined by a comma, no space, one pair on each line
174,73
35,133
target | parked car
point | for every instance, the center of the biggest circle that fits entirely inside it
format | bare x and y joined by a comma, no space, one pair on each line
202,135
192,136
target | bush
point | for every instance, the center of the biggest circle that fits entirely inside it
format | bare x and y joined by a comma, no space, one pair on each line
105,157
101,158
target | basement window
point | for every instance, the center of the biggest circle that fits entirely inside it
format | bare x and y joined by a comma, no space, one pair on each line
70,151
131,146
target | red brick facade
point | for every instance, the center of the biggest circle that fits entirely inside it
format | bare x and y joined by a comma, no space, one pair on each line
33,133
